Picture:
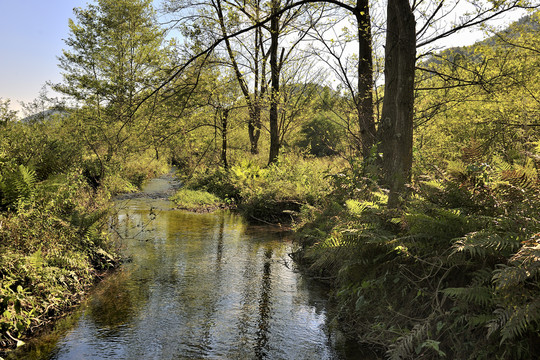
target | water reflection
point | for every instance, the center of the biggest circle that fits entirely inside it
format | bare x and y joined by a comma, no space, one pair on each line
199,286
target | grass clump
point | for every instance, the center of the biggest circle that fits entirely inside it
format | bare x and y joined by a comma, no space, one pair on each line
196,200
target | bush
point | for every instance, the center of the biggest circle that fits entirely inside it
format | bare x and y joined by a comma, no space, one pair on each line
321,136
276,193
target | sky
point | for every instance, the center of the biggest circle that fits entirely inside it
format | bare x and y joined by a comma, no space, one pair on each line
32,33
30,42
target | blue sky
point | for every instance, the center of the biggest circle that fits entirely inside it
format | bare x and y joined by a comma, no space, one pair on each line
31,39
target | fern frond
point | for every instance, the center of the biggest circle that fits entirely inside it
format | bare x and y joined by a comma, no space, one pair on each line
525,264
25,183
472,153
477,295
500,319
405,345
85,221
482,243
479,320
521,178
509,276
520,320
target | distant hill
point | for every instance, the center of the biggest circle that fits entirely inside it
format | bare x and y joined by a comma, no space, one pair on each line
528,23
45,115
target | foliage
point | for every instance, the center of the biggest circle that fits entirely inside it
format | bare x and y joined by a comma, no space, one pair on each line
488,91
6,114
195,199
55,206
114,61
453,275
51,250
276,193
321,136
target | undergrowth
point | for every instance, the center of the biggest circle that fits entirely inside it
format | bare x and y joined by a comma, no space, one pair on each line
53,244
276,193
453,275
55,205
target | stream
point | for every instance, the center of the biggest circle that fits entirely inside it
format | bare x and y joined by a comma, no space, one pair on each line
196,286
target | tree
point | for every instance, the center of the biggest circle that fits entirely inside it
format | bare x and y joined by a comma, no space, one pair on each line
395,131
113,61
249,55
402,40
6,114
396,128
364,97
260,57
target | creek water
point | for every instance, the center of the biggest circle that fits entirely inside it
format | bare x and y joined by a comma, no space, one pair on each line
196,286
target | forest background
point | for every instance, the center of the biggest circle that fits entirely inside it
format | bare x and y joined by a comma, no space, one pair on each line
410,175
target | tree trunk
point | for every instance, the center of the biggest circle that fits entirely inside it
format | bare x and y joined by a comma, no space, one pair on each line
254,125
364,100
254,122
274,92
396,127
224,123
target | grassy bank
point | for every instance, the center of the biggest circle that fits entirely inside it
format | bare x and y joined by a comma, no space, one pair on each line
453,274
55,204
277,193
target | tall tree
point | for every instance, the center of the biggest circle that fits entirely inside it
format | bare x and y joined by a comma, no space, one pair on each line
364,96
354,71
396,127
402,40
275,65
112,62
258,69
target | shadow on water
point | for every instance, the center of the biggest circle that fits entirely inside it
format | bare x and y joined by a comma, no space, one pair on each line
197,286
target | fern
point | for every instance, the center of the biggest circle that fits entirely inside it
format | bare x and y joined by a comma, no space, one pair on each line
524,265
25,183
472,153
84,222
478,295
18,187
516,321
518,312
509,276
483,243
525,177
405,345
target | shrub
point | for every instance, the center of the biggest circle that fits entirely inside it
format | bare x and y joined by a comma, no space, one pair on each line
321,136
